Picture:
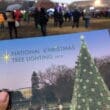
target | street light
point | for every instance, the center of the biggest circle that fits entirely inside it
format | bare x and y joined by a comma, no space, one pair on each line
60,107
36,1
97,3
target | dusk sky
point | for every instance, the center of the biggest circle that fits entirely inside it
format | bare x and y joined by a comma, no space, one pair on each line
14,75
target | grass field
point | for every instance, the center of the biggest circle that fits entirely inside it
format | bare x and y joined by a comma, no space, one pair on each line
29,30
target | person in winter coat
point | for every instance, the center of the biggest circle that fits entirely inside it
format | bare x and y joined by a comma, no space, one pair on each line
36,16
76,17
43,21
86,19
2,21
26,16
60,18
56,17
11,23
18,15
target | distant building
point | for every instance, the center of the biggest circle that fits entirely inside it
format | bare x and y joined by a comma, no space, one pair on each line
95,3
26,92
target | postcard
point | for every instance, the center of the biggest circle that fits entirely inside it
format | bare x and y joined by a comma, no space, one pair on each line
60,72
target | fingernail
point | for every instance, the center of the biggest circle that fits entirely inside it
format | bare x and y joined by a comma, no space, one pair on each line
3,96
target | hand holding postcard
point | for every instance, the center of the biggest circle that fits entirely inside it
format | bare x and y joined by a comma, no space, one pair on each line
62,72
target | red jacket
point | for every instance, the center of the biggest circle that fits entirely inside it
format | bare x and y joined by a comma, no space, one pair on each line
18,15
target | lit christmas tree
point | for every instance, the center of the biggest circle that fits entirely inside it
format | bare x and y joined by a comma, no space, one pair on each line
90,91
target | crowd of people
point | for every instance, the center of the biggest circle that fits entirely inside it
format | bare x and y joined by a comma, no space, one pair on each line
41,18
13,19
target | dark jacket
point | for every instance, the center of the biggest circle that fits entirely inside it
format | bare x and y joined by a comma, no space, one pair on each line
43,17
76,14
36,15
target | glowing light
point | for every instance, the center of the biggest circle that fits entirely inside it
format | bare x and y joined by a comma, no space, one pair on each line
60,107
91,8
6,57
97,3
82,37
35,1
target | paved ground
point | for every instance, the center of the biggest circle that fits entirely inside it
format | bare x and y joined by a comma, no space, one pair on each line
29,30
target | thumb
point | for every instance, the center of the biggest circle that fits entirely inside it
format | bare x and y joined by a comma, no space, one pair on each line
4,100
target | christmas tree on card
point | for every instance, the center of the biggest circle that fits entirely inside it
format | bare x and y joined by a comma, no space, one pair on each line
90,91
